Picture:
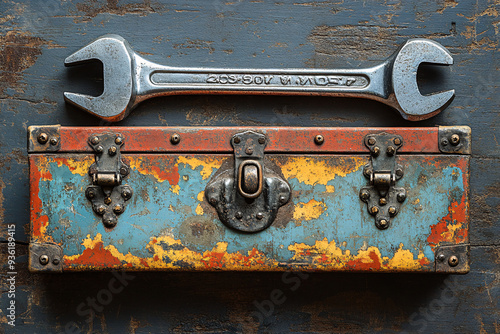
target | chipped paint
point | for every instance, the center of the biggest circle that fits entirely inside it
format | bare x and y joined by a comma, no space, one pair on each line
308,211
207,164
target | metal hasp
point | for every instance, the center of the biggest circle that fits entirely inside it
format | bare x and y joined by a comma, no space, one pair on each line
45,257
107,194
130,79
452,259
247,196
382,198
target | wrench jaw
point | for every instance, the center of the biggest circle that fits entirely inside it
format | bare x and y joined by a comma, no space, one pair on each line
116,56
406,96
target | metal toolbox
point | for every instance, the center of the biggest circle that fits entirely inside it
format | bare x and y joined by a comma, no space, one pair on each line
249,198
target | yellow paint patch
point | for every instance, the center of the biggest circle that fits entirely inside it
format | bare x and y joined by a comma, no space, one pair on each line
308,211
208,164
315,170
199,210
200,196
330,189
175,189
77,166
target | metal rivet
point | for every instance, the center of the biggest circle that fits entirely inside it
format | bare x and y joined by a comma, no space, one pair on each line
54,141
107,200
372,141
112,150
397,141
249,151
374,210
95,140
42,138
441,257
44,259
262,140
319,139
444,141
175,139
123,170
55,261
90,193
282,199
455,139
383,201
126,194
401,197
383,223
100,209
237,140
118,208
118,140
376,151
99,149
391,150
259,215
399,172
364,195
392,211
110,222
453,261
238,215
368,172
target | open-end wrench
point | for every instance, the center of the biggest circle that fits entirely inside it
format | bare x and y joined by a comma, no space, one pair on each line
130,79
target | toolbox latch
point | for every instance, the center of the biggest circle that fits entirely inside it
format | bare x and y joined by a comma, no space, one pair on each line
107,194
248,194
382,198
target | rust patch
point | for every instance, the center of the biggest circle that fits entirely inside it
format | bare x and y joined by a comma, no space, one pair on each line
451,228
18,52
92,8
98,256
446,4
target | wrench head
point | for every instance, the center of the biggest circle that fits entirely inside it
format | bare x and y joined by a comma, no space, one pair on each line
116,56
411,103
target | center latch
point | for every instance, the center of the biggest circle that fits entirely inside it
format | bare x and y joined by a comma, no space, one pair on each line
383,199
107,194
248,194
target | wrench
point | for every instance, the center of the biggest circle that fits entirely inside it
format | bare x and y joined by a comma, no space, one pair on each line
130,79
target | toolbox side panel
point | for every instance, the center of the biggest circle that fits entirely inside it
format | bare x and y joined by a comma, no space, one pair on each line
168,224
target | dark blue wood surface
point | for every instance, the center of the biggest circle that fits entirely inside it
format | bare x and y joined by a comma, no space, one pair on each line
36,36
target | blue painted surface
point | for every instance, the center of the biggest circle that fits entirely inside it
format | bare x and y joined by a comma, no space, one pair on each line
345,221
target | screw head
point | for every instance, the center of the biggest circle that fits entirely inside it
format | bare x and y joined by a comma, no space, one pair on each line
392,211
118,209
99,149
95,140
364,195
126,194
112,150
401,197
99,209
118,140
453,261
374,210
262,140
55,261
107,200
259,215
249,151
376,151
236,140
319,139
372,141
391,150
455,139
368,172
444,141
54,141
397,141
123,170
383,223
44,259
42,138
90,193
399,172
175,139
441,257
110,222
238,215
383,201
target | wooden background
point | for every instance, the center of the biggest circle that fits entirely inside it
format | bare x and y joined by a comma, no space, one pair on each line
36,36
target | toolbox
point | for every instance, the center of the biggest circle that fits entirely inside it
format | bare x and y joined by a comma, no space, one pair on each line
249,198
